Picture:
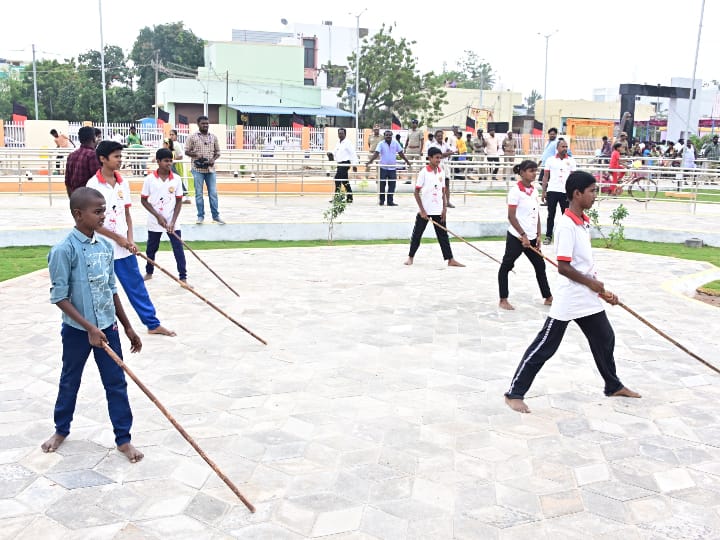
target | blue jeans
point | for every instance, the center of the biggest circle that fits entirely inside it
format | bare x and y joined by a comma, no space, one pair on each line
153,244
128,274
209,179
76,350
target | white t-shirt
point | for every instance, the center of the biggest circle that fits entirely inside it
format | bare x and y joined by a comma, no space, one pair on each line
431,185
525,201
572,300
443,146
117,199
559,170
492,145
162,196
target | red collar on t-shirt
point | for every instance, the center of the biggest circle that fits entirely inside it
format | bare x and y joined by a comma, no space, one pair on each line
430,169
522,187
170,177
577,220
558,156
102,180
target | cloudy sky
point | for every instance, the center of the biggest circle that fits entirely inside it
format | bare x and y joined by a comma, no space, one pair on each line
597,44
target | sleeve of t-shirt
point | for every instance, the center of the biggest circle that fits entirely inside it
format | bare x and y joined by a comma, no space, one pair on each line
573,165
564,244
514,196
547,164
178,187
420,182
145,192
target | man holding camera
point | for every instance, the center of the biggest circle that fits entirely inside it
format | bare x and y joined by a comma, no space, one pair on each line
204,149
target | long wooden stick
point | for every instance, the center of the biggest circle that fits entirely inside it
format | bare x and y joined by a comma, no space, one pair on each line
201,297
204,263
431,220
177,426
647,323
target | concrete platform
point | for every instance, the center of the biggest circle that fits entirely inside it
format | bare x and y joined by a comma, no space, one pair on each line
375,411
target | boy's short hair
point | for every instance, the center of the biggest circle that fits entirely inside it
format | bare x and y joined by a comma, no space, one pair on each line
434,151
617,145
163,153
578,181
553,130
54,132
105,148
81,197
202,117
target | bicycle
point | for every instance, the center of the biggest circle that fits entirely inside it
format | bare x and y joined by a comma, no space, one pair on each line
640,187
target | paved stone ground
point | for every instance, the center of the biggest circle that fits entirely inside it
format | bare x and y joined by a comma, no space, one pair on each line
375,411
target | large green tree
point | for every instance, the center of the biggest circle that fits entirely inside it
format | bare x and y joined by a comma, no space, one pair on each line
390,82
117,71
169,43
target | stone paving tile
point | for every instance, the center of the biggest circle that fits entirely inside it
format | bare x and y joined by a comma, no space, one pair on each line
379,436
79,479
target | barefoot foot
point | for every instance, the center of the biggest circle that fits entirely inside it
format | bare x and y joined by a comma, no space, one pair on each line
548,301
133,454
53,443
504,304
147,277
162,331
409,261
517,405
626,392
453,262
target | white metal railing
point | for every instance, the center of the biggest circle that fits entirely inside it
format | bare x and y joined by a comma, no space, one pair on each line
287,172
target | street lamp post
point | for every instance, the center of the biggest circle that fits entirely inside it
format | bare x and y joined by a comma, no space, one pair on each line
357,71
547,43
102,65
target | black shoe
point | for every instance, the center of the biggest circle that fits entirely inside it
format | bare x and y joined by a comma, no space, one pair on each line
349,201
392,204
382,203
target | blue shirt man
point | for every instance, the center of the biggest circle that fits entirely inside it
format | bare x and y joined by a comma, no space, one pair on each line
388,150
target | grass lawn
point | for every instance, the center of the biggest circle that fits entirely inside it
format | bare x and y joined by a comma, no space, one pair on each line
712,287
17,261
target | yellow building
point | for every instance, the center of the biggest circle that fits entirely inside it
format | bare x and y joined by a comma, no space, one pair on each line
559,110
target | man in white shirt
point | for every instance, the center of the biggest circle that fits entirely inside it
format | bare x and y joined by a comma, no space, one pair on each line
557,170
431,203
344,155
492,151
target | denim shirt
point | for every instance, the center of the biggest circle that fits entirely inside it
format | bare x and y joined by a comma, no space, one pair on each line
81,270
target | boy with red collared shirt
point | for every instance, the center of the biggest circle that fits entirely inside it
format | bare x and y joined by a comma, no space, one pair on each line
523,233
161,196
431,200
577,298
118,228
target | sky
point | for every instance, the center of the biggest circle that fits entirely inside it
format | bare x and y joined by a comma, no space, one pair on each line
597,44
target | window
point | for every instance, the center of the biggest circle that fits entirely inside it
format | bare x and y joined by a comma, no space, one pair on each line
309,82
309,45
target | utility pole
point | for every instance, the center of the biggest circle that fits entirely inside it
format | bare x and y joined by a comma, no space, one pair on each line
692,86
357,72
157,60
227,93
547,43
102,66
35,83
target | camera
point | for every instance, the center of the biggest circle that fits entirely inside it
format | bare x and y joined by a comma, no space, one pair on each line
202,163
